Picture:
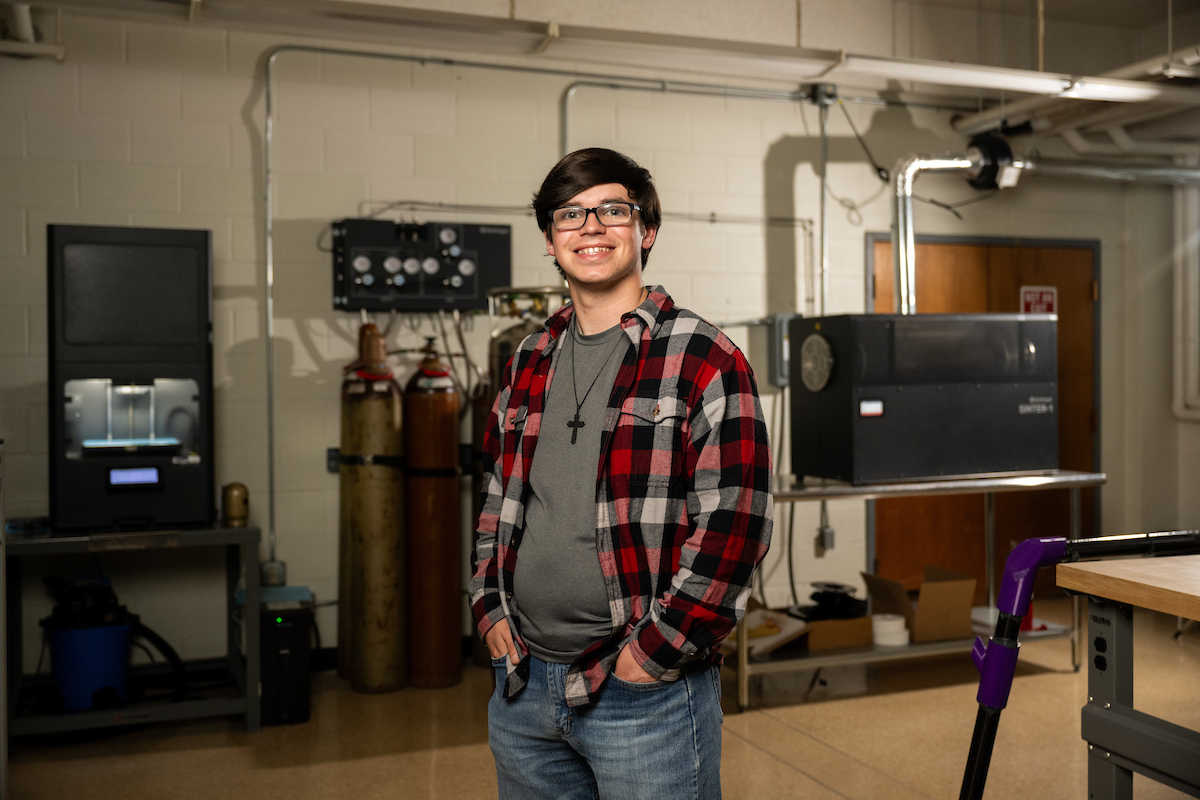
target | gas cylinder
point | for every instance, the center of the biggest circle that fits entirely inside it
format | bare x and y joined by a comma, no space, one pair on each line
435,602
372,620
504,343
500,352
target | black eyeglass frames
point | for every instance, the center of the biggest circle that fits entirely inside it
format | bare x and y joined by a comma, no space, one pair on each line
571,218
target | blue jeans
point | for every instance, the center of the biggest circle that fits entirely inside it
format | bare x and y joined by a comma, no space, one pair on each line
651,741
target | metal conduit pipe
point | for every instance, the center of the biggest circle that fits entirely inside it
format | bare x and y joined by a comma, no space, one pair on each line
663,87
823,268
586,78
903,238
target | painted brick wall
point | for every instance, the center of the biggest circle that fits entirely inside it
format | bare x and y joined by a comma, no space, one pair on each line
162,125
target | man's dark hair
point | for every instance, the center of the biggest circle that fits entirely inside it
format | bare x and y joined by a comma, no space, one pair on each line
583,169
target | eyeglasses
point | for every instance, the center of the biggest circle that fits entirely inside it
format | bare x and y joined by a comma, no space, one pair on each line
572,218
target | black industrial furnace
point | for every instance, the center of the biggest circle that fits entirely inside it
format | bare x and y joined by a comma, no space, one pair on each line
130,329
883,397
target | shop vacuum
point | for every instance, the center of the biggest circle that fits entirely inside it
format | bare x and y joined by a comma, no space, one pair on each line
89,634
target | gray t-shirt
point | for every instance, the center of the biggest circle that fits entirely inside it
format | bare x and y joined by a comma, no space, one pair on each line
558,586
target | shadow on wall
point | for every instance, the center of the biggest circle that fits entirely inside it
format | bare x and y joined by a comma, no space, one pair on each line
892,135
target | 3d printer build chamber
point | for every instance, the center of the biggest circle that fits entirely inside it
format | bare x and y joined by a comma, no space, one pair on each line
882,397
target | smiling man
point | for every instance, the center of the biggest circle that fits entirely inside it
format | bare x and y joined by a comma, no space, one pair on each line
608,569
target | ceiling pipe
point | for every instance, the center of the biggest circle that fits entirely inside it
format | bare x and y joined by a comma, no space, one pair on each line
1128,144
1086,147
1021,111
1177,175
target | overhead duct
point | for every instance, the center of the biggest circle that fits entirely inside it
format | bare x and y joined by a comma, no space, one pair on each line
987,164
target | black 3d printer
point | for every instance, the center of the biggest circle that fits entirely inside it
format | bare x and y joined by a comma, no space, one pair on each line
131,413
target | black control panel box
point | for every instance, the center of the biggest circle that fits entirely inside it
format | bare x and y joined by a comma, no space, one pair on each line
883,397
379,265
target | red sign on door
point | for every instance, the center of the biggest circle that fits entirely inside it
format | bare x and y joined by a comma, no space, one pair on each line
1039,299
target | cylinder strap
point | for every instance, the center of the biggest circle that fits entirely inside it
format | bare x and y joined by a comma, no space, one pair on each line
427,472
370,459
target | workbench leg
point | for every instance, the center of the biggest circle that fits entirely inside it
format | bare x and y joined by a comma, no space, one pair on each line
1110,681
743,666
1076,600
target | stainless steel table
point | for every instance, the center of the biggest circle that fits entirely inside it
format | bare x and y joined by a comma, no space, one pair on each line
787,490
241,565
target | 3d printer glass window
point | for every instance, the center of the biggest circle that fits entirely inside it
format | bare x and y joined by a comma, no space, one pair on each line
104,418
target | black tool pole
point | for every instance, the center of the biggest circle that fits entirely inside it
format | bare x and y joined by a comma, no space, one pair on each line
980,757
997,663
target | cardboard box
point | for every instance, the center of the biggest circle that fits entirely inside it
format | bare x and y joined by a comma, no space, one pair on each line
943,607
830,634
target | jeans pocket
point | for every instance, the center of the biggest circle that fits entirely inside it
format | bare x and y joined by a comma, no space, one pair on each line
633,686
716,679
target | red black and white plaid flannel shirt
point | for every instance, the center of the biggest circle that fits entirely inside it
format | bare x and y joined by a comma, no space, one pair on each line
683,494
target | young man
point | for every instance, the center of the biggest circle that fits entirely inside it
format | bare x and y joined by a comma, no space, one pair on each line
609,567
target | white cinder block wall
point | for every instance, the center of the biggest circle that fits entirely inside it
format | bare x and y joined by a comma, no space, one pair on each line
152,124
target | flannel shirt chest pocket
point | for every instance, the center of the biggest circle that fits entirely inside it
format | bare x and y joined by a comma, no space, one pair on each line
513,426
654,429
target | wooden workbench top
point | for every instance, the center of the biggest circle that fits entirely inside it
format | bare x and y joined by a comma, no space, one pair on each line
1170,584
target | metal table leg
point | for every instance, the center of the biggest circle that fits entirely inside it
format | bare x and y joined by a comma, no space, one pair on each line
989,546
1076,600
1110,683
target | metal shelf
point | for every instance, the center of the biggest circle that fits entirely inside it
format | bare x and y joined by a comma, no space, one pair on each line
241,566
787,489
873,654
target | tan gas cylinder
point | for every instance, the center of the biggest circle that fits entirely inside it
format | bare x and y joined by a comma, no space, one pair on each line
372,620
435,601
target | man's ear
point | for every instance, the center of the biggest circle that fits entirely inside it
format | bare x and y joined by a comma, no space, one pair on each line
549,243
648,239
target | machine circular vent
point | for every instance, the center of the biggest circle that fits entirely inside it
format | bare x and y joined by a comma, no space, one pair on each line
816,362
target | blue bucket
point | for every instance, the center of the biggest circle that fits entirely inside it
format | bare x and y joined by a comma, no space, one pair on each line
84,661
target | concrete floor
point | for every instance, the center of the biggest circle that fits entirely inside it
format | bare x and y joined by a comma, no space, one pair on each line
890,732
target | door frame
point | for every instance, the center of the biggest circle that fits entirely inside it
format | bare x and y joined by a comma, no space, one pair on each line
1011,241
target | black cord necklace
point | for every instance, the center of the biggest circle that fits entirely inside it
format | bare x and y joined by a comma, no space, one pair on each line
577,423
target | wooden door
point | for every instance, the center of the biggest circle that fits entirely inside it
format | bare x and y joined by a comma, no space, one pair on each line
976,278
